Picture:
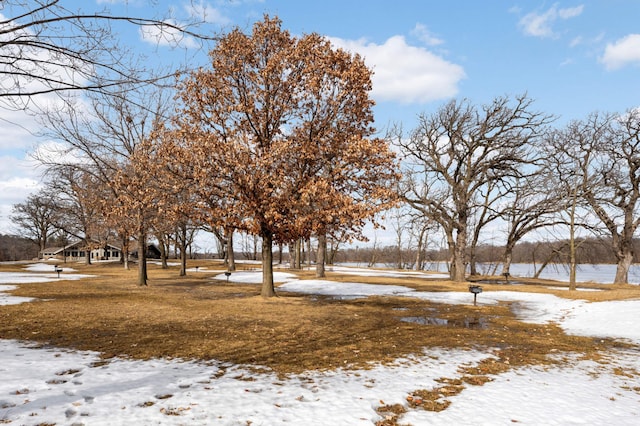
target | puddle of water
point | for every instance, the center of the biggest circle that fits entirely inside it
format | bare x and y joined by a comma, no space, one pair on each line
469,322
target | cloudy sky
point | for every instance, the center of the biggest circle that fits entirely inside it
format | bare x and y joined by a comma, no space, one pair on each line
571,57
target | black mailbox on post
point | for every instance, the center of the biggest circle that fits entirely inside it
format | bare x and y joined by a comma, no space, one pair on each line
475,289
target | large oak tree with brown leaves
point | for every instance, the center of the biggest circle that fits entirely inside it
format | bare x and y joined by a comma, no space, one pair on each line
277,134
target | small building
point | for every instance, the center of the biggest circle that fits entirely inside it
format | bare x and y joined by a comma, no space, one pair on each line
153,252
78,252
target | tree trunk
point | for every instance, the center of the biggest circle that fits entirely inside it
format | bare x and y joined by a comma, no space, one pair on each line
268,290
292,261
572,244
87,254
330,255
231,258
506,264
183,259
420,249
622,270
142,259
125,252
321,254
473,270
458,270
507,259
297,260
163,252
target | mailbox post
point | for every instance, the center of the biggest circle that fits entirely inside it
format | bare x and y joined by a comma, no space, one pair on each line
57,269
227,274
475,289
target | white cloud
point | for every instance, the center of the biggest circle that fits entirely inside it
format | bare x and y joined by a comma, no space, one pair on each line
624,51
423,34
576,41
17,188
12,191
405,73
571,12
540,24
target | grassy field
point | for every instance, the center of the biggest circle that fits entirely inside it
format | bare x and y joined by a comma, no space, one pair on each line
196,317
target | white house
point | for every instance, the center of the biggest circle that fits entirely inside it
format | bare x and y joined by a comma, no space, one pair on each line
78,251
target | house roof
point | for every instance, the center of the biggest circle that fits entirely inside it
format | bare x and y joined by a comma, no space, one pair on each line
77,244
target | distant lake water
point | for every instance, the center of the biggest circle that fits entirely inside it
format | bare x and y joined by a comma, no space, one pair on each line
597,273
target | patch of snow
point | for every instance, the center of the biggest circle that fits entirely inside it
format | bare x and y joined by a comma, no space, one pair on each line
367,272
46,267
617,319
254,277
8,299
343,289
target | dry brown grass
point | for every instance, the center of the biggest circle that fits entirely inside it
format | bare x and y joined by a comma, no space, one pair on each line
194,317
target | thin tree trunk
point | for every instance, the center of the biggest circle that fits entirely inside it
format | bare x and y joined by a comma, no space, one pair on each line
473,269
321,254
142,259
330,255
231,258
87,254
125,253
292,261
572,245
183,260
163,252
420,249
268,290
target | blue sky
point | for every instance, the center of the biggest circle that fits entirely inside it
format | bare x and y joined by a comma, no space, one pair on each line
571,57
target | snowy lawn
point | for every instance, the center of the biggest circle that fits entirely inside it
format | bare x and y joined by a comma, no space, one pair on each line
57,386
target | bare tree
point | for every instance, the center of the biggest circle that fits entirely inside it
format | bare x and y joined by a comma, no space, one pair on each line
36,217
79,196
605,151
533,204
48,48
458,150
420,228
484,212
99,137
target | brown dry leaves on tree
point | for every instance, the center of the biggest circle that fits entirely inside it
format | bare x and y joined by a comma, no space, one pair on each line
278,137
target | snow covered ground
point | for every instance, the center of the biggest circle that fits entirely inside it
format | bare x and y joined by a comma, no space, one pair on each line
54,385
